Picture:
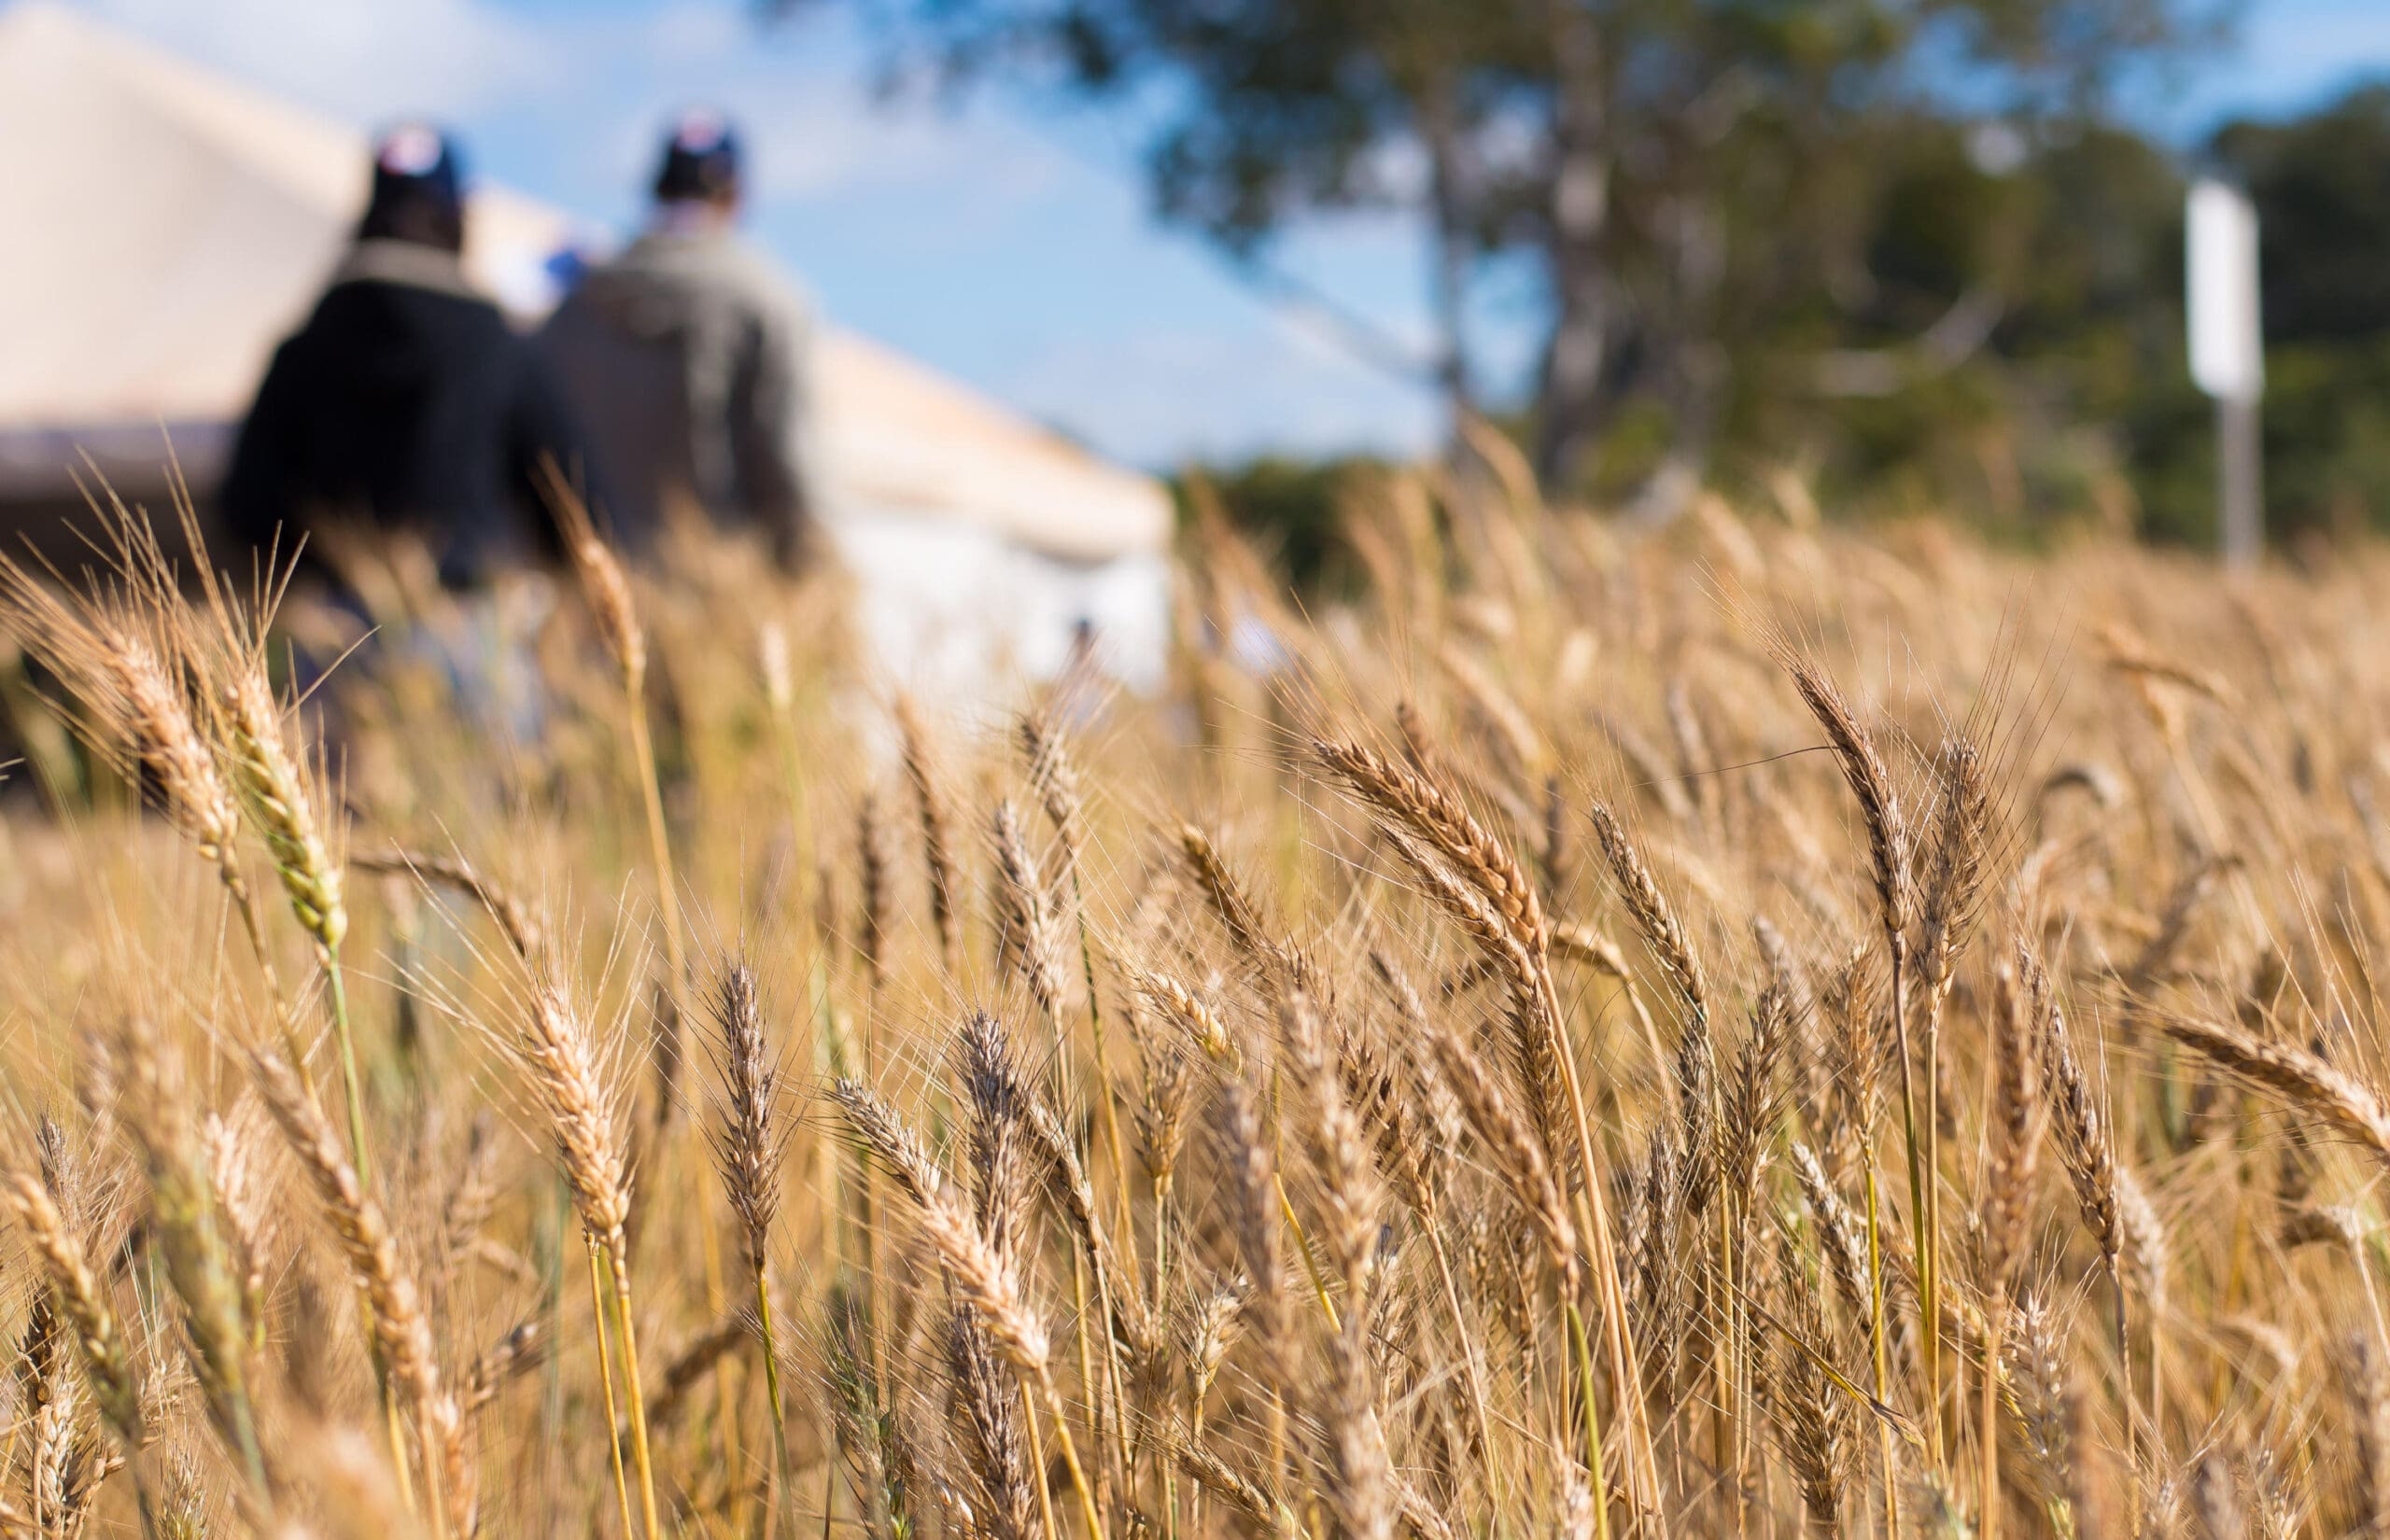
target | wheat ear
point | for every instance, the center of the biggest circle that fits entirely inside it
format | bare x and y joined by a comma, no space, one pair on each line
402,1328
275,795
558,1052
937,826
512,916
1886,822
747,1153
982,1275
2311,1081
82,1299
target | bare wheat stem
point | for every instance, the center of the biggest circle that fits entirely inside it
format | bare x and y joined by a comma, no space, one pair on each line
1876,1305
1037,1457
658,839
606,1378
1096,1392
2018,1111
618,1254
1080,1199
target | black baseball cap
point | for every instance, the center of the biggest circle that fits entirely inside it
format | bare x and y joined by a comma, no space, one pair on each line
701,158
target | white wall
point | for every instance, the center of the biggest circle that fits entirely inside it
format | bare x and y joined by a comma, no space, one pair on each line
953,611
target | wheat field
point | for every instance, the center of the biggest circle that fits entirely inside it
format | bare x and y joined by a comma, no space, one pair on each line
1758,1029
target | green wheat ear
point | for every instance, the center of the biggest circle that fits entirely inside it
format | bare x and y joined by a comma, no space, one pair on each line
275,793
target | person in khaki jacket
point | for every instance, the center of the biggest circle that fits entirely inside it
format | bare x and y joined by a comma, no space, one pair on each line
687,356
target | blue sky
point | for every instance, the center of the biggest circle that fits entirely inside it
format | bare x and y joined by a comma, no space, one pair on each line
1007,241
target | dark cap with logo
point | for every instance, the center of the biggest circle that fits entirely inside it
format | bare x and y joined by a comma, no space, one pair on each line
416,162
701,158
419,189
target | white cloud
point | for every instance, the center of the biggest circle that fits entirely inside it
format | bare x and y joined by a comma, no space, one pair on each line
812,126
808,137
689,29
797,94
363,61
1160,398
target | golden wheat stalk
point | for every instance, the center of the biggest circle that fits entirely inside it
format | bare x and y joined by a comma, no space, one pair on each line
747,1153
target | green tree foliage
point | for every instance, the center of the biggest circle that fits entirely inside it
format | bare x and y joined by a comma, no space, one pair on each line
2322,183
1996,330
1677,170
1292,508
2322,186
1904,246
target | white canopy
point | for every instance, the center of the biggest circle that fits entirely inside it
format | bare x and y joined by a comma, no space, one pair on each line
169,227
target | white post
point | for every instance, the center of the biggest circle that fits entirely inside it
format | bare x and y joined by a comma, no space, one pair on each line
2229,354
2239,471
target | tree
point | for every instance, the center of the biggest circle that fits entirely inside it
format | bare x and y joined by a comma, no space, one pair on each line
2322,186
1667,164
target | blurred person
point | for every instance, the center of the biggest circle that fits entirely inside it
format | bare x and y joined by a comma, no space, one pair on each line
406,405
688,354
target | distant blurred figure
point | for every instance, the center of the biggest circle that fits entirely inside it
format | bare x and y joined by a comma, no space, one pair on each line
689,359
406,403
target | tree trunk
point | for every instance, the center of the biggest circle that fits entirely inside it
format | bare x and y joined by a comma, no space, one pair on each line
1572,399
1449,256
1694,368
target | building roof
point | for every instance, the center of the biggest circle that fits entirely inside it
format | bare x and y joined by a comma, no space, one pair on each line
170,227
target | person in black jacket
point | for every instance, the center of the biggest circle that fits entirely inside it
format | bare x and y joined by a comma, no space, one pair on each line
406,402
